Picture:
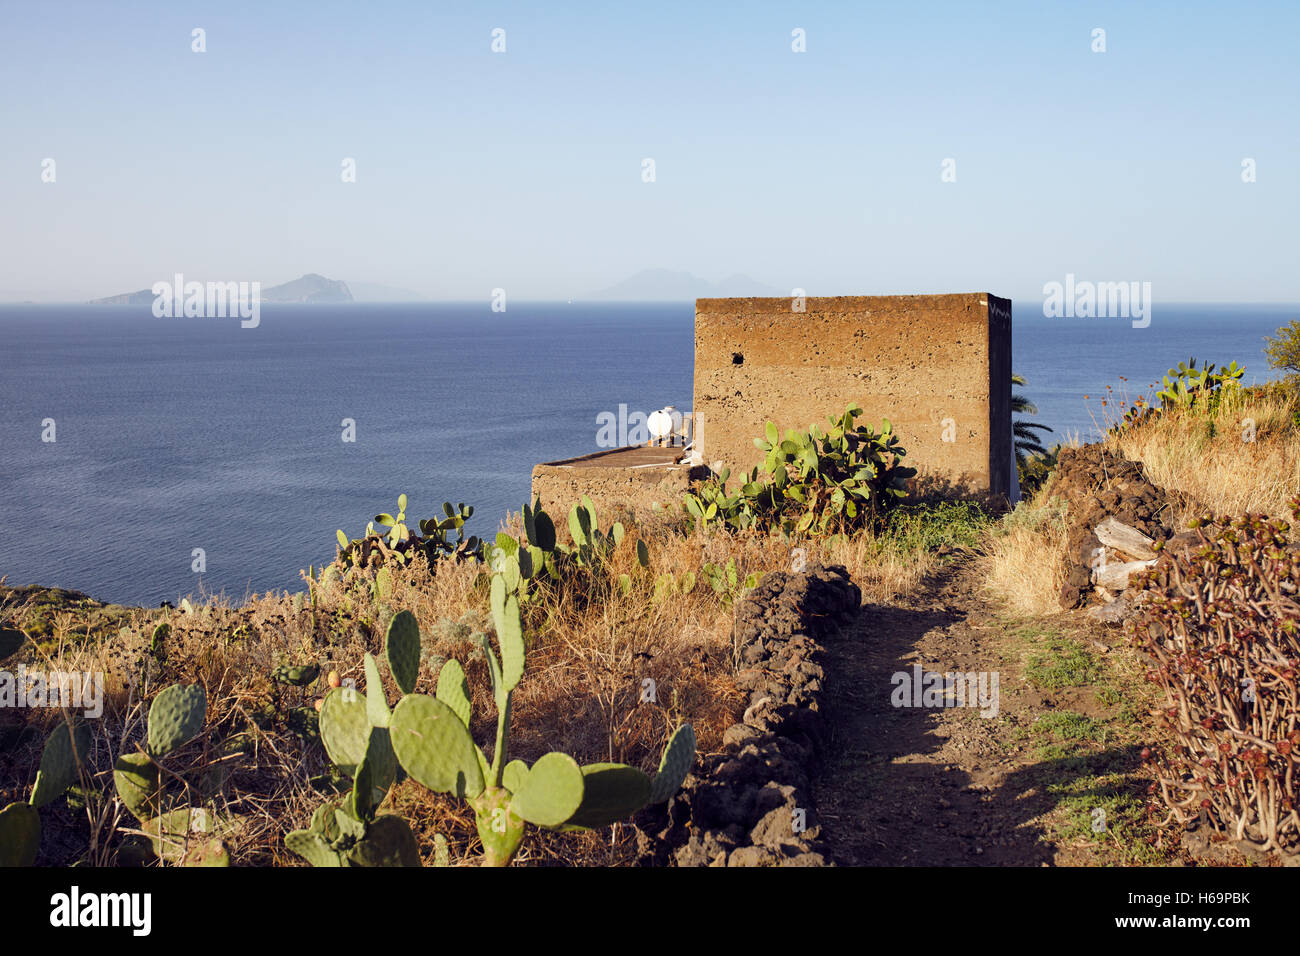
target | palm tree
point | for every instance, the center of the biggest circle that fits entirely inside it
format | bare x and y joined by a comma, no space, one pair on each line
1027,442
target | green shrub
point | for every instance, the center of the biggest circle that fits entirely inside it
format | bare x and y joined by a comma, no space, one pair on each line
830,481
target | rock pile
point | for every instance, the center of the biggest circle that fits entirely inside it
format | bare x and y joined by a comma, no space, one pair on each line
1110,498
751,804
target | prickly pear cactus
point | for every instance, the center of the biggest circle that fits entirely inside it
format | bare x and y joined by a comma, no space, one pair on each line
65,750
676,763
20,835
136,779
611,792
403,648
176,716
431,742
434,747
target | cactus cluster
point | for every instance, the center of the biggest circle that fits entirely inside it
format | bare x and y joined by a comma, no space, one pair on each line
64,755
62,758
821,481
179,833
389,540
348,831
428,738
725,581
540,556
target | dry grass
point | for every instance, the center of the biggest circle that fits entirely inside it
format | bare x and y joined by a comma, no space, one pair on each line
1026,558
1242,456
592,648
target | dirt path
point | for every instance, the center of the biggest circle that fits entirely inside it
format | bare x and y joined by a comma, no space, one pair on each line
923,786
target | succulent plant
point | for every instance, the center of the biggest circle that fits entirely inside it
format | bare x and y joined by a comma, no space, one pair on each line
184,835
821,481
20,834
428,738
65,752
1221,626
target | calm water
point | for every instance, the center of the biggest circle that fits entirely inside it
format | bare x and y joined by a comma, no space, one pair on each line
175,434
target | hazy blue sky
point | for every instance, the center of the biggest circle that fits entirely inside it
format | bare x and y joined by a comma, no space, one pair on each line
523,170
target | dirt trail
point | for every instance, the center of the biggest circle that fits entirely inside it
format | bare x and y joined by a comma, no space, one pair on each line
915,786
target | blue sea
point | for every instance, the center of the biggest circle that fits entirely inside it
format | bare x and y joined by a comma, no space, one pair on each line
177,434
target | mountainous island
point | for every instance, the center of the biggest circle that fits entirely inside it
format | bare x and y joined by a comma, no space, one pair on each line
310,288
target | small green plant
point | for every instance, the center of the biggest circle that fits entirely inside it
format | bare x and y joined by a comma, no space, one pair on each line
725,581
1187,385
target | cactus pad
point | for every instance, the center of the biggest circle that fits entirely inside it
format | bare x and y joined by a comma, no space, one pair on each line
136,778
388,842
345,728
376,703
514,775
207,853
312,847
65,750
174,834
375,774
510,634
434,747
552,791
403,648
176,716
677,760
20,834
453,689
613,792
296,676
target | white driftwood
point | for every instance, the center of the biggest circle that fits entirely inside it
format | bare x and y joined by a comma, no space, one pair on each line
1115,574
1116,534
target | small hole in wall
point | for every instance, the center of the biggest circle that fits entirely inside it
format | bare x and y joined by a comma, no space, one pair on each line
737,358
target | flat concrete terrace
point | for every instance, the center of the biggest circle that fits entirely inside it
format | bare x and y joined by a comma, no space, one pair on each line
629,457
632,478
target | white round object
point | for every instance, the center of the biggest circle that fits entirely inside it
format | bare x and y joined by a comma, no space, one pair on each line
660,423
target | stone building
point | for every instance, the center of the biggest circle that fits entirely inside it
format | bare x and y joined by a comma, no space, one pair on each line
937,366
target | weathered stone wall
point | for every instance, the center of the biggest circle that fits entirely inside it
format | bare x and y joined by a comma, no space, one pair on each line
613,490
925,362
740,807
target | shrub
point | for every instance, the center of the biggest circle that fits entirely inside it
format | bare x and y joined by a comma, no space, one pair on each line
1222,627
816,482
1284,351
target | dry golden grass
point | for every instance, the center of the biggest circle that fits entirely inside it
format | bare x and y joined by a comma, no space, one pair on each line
1026,558
1243,456
592,648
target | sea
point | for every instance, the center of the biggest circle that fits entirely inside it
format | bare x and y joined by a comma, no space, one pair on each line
184,443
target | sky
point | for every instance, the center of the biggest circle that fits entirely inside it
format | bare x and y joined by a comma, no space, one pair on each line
525,170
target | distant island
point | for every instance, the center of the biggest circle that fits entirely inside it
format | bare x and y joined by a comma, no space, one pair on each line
311,288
